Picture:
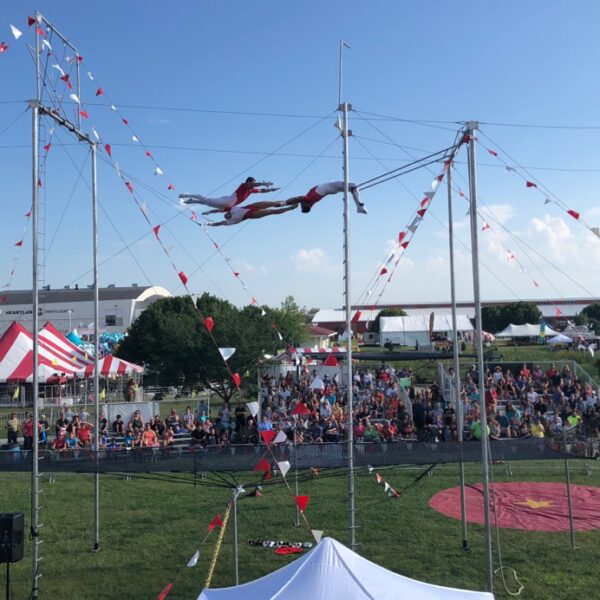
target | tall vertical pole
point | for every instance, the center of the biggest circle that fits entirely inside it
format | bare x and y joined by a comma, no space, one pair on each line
297,524
458,400
569,499
345,107
234,530
35,507
472,127
96,353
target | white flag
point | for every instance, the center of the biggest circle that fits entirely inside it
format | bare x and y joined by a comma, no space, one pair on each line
95,133
47,44
144,208
253,408
387,486
16,33
89,74
284,466
59,69
317,534
262,312
113,107
158,171
227,353
547,201
370,469
280,438
75,98
135,139
194,560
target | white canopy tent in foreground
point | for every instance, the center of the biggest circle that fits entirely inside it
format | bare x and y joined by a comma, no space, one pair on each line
525,330
330,571
407,331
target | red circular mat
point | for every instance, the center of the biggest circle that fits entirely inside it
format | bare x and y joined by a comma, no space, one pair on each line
530,506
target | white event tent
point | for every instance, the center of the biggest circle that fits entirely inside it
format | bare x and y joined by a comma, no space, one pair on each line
330,571
407,331
526,330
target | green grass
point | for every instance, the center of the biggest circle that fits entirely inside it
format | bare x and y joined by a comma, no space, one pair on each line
149,529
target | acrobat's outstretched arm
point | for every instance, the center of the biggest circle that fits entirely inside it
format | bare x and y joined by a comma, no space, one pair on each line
218,223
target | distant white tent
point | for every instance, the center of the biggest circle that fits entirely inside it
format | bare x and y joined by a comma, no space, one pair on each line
408,331
560,339
526,330
330,571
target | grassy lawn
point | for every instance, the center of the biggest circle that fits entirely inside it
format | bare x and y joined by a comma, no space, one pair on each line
149,529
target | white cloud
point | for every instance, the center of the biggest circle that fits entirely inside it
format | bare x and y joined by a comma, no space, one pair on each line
311,259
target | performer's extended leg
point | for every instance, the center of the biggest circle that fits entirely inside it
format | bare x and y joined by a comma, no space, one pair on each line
265,212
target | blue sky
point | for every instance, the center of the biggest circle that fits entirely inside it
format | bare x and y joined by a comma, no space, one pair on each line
509,62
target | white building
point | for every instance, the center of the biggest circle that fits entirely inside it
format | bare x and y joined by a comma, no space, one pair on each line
73,307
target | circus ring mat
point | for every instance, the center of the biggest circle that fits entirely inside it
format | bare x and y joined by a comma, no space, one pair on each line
527,506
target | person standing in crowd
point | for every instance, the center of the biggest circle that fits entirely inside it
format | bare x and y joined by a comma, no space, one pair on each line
13,427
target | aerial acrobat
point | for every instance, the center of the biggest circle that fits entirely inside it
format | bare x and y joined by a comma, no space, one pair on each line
224,203
258,210
318,192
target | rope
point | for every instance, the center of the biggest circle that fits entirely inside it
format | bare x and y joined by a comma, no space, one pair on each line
213,562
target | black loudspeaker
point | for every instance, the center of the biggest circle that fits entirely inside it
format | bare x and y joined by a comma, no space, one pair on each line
11,537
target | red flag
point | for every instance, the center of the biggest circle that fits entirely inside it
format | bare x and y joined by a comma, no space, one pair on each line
421,212
125,121
267,437
263,464
194,217
236,274
209,323
573,213
47,146
108,149
461,193
100,92
216,522
28,214
165,591
356,316
425,202
237,380
149,154
84,114
485,226
40,31
331,361
129,186
183,277
378,478
156,229
440,177
79,58
301,409
39,182
253,301
383,271
170,187
3,47
535,283
466,138
30,21
558,312
216,245
404,245
492,152
530,184
302,501
19,243
65,78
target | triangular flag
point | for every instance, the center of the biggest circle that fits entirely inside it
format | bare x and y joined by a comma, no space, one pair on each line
47,44
573,213
386,486
108,149
401,236
75,98
267,436
378,478
535,283
95,133
237,380
19,244
317,534
40,31
404,245
216,522
507,168
165,591
461,193
89,74
183,277
39,182
134,138
194,560
530,184
547,201
421,212
209,323
28,214
125,121
158,171
16,393
170,187
3,47
301,409
279,335
356,317
492,152
383,271
59,69
113,107
263,465
194,217
509,255
302,501
370,469
558,312
149,154
253,408
129,186
280,438
84,114
392,493
425,202
284,466
485,226
331,361
227,353
16,33
100,92
30,21
144,208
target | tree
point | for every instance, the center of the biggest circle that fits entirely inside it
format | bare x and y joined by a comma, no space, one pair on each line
496,317
590,316
171,340
386,312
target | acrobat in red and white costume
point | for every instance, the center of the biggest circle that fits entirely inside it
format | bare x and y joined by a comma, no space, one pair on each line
224,203
319,192
258,210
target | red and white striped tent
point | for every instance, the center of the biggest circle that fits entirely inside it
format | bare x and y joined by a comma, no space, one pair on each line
109,366
57,357
16,357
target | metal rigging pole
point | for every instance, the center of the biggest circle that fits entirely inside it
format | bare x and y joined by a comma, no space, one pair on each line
472,128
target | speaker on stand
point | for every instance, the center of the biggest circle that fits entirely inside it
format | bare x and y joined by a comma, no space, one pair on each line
12,526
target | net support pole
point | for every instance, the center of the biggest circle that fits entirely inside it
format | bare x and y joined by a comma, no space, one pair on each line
345,107
472,128
96,352
456,379
569,499
234,531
